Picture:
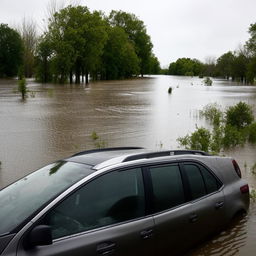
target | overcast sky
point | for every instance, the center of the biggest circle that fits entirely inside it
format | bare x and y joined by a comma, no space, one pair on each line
178,28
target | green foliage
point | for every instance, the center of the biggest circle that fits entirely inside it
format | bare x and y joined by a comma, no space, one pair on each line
137,34
212,112
254,169
239,65
227,131
208,81
233,137
225,64
189,73
198,140
94,136
11,50
186,67
76,38
251,43
119,59
216,143
252,133
22,88
253,195
43,60
98,142
239,115
79,42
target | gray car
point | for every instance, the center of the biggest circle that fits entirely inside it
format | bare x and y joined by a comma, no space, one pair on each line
121,201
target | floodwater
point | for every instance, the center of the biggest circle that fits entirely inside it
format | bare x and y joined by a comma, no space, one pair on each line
56,121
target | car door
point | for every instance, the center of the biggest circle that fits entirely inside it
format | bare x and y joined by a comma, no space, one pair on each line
104,217
206,199
171,210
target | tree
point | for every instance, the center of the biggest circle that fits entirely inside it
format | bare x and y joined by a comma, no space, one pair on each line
43,60
209,67
154,65
251,43
185,66
225,64
119,59
28,34
251,47
77,38
240,65
22,87
11,50
137,34
239,116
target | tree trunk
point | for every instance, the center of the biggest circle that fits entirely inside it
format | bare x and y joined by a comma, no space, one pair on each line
70,77
86,77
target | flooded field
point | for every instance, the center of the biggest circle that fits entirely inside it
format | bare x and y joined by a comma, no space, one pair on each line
57,120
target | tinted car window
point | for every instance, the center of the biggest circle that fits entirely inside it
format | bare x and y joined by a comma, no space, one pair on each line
114,197
195,180
167,187
211,183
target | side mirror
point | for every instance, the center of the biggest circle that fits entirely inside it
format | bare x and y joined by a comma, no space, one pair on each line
40,235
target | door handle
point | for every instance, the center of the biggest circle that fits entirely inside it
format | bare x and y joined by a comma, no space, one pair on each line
193,218
146,234
106,248
219,205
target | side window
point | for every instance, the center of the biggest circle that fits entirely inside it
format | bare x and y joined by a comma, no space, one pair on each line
211,183
195,180
111,198
200,180
167,187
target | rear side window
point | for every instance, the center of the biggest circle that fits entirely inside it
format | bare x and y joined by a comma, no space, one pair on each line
201,181
195,180
211,183
167,187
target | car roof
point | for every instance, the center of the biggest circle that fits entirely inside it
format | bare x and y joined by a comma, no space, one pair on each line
100,158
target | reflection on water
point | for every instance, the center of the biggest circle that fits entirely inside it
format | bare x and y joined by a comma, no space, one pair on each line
238,239
59,120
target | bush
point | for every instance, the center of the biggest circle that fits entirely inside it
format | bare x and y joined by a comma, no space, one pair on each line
233,137
208,81
22,88
189,73
198,140
252,133
239,115
230,130
212,113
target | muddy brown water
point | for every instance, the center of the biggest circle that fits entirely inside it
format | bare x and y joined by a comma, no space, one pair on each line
56,121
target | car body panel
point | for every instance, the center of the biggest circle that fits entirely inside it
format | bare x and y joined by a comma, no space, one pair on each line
123,239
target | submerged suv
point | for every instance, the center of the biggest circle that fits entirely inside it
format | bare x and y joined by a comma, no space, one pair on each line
121,201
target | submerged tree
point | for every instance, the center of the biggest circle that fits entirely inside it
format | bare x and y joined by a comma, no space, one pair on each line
79,42
119,59
76,38
137,34
11,50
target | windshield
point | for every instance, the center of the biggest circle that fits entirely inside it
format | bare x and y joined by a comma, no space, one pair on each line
24,197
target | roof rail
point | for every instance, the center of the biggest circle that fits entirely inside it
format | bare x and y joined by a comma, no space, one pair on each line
104,149
165,153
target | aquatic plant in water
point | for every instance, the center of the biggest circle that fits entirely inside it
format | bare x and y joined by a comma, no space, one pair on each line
208,81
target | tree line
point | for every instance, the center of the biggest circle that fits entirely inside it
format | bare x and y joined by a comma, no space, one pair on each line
77,44
239,65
